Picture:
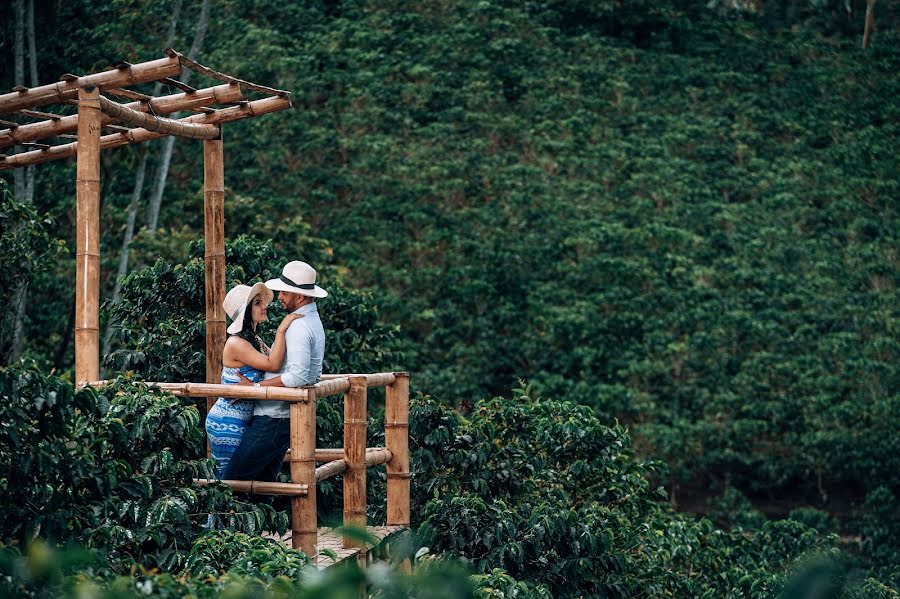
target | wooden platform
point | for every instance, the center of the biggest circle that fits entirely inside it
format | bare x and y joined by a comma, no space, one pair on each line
331,540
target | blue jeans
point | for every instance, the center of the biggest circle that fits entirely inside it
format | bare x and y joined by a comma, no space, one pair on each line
261,452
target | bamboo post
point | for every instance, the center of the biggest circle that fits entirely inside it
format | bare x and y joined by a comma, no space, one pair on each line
87,243
214,258
396,435
304,533
355,411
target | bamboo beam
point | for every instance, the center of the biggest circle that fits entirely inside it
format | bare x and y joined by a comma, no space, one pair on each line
304,531
355,412
199,68
87,238
220,94
214,258
226,115
292,395
258,487
68,89
377,379
330,469
377,455
337,453
156,123
331,387
396,436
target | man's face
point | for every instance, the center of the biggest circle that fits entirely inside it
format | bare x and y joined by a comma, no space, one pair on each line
291,301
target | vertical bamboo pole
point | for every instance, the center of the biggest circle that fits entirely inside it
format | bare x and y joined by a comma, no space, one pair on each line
396,435
355,412
304,533
87,242
214,258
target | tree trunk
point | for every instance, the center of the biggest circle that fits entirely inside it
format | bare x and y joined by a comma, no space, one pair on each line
169,143
870,23
126,243
23,188
136,194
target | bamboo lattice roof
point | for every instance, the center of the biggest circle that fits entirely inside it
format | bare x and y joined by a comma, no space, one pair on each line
45,136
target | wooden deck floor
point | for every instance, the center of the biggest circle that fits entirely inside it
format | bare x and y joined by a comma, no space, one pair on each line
331,540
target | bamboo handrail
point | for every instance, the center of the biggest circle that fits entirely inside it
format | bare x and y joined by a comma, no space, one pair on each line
331,387
259,487
377,379
68,89
288,394
157,124
220,94
226,115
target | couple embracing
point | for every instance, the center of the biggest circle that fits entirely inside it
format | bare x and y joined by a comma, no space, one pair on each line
248,439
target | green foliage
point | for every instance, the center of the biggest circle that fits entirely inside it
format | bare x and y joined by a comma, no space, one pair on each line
27,248
110,470
546,492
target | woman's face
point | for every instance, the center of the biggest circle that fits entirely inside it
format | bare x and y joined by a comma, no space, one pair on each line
258,310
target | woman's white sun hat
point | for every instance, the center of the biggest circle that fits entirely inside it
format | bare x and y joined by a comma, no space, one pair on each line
237,300
297,277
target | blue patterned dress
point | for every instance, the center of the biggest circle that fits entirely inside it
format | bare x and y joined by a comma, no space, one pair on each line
228,418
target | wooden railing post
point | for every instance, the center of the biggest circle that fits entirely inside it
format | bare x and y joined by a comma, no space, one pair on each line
396,435
87,237
355,412
214,259
304,531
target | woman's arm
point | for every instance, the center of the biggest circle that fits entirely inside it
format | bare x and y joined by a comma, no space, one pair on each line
239,350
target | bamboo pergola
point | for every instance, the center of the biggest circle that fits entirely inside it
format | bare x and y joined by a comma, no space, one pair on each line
140,120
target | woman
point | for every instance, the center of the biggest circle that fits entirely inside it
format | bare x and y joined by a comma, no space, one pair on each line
245,354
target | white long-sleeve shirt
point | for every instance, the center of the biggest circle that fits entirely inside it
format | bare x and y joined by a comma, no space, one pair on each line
305,340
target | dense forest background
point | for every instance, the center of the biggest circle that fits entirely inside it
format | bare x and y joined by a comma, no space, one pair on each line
668,227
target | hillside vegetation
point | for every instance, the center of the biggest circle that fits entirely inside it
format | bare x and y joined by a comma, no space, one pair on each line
676,221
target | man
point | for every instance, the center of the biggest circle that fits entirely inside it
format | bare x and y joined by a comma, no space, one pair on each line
261,452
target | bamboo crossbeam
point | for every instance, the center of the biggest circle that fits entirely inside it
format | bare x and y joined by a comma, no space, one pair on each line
337,453
380,455
127,93
177,84
330,469
376,379
199,68
377,455
36,114
226,115
64,90
259,487
157,124
331,387
220,94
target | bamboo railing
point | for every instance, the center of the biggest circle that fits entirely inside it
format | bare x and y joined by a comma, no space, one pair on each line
351,460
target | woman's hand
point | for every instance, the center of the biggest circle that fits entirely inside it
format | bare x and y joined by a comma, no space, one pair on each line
287,321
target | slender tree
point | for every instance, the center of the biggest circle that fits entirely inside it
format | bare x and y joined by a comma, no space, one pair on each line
870,23
169,142
137,192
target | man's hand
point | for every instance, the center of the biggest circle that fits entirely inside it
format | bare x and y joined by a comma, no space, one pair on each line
244,381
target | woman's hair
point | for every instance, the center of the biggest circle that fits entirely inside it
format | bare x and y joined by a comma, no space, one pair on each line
247,332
